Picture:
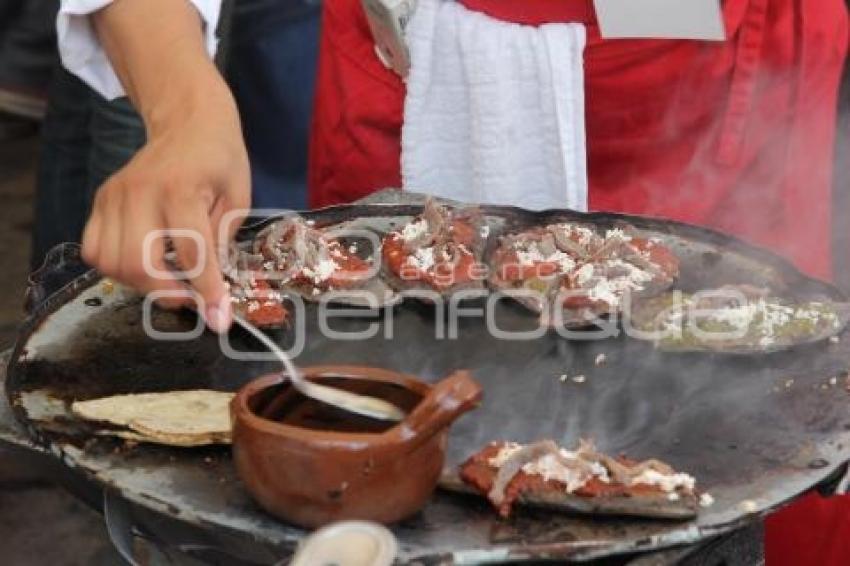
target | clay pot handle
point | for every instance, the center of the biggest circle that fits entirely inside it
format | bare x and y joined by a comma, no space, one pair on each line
447,400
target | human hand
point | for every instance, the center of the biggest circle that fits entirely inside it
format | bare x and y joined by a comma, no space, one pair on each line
192,171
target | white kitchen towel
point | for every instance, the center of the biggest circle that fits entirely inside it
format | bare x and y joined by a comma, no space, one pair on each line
494,111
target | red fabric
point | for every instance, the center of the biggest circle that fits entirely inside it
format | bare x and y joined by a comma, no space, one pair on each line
737,135
814,530
536,12
355,138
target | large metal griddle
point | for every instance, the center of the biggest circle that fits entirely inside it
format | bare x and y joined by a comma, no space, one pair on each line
755,429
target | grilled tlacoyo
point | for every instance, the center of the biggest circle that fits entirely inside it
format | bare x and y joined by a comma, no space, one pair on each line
439,250
576,274
292,257
735,319
255,301
583,480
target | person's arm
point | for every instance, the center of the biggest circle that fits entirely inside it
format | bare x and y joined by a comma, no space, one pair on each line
193,168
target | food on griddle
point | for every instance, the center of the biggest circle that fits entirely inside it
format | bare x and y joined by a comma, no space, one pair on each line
258,303
177,418
535,260
739,319
292,257
307,258
582,480
438,250
579,273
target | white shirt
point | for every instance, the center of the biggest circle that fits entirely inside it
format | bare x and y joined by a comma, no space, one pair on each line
82,54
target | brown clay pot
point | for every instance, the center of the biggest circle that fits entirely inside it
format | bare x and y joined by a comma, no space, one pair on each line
311,464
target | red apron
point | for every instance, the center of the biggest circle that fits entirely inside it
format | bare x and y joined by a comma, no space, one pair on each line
737,135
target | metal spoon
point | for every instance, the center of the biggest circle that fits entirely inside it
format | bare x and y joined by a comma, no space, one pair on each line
371,407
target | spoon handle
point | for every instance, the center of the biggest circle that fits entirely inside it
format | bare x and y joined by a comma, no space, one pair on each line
294,375
368,406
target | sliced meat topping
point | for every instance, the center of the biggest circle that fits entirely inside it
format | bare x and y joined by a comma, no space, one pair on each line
592,272
299,254
505,472
437,248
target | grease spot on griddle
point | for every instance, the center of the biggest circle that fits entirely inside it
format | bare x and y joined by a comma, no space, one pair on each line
93,302
818,463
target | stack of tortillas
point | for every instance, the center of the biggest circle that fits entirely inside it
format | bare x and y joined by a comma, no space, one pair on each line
177,418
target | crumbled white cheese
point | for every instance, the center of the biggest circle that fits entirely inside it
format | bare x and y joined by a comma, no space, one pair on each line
584,274
600,360
273,295
563,378
769,318
326,268
551,468
322,272
666,482
530,255
585,235
634,276
352,249
761,322
564,261
673,496
603,292
414,230
422,259
485,231
610,289
617,233
706,500
579,379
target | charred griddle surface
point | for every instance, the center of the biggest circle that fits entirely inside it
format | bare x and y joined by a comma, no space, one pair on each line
760,428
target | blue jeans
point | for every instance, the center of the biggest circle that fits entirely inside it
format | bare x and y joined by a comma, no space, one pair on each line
84,140
27,44
272,69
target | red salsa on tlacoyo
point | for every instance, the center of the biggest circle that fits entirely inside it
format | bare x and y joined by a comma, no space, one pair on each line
438,250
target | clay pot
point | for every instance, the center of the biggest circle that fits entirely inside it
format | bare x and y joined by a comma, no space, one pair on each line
311,464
